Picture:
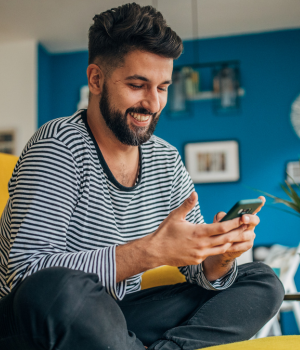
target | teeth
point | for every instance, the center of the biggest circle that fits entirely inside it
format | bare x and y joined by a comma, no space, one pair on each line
140,118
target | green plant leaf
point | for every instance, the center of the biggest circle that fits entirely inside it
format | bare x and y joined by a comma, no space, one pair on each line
286,190
265,193
290,192
287,203
294,196
286,211
291,205
294,183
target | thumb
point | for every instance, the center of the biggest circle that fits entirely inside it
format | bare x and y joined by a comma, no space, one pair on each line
186,206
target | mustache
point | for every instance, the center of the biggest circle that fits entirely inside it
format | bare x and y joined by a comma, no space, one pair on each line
140,111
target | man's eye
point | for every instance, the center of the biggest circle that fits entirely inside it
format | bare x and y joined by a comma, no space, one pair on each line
136,86
163,89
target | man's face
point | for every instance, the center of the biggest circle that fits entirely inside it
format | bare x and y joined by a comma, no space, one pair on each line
134,96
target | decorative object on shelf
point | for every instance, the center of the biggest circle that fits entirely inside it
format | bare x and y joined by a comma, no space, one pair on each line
209,162
177,93
185,86
7,141
295,115
191,81
185,79
226,88
211,95
84,97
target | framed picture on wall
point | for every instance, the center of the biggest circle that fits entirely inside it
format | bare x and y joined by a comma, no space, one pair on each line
209,162
293,172
7,141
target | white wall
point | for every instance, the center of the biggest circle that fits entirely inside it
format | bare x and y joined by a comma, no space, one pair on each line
18,90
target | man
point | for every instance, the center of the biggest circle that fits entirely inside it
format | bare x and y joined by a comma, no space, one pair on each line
95,200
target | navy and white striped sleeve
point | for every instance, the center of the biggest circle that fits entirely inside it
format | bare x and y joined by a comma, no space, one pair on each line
44,190
182,188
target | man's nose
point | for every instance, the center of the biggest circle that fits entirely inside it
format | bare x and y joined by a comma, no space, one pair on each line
151,101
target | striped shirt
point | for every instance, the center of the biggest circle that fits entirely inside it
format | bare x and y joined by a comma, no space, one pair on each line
66,209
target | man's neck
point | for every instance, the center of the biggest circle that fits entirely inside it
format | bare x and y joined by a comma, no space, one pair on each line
106,139
122,160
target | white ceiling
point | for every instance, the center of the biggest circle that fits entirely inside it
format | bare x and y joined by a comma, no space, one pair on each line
62,25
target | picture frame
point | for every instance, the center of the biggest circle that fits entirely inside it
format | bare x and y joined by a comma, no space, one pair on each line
293,171
7,141
213,161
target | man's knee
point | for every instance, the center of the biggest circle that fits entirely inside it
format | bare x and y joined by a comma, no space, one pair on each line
266,286
53,292
69,309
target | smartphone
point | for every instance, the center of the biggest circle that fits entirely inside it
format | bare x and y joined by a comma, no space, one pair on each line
246,206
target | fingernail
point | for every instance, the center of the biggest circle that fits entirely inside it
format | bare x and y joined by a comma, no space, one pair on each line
190,199
246,218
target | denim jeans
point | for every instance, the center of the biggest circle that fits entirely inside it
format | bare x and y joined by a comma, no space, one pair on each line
62,309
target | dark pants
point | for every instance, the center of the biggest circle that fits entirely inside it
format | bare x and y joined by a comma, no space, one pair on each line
58,308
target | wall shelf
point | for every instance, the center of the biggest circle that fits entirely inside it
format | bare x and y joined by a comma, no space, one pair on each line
210,95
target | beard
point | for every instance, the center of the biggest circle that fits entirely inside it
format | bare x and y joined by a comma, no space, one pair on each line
116,121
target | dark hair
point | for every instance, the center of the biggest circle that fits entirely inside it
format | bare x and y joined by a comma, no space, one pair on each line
130,27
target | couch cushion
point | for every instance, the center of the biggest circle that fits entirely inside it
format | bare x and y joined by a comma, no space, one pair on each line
291,342
7,164
162,276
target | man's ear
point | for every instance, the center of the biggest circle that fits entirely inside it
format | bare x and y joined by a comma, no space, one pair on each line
95,79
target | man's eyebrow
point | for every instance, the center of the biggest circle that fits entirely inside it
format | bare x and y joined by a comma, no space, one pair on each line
140,77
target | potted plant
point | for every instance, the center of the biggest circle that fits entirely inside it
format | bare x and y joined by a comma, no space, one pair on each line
294,203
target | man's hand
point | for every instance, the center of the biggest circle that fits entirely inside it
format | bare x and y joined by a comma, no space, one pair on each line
248,236
178,242
217,266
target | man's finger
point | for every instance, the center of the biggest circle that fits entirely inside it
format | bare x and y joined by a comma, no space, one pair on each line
219,216
249,219
263,203
240,234
240,247
221,249
219,228
186,206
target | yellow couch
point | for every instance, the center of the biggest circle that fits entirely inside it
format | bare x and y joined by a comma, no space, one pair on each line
7,164
290,342
161,276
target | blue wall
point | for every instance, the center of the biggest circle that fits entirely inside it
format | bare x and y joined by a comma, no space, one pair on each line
270,74
59,80
45,92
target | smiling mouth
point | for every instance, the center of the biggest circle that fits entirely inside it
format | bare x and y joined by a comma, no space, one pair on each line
140,117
